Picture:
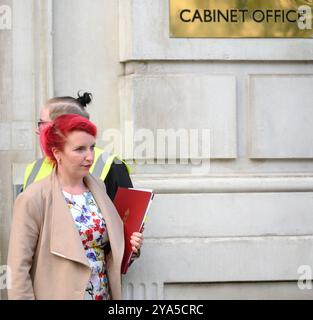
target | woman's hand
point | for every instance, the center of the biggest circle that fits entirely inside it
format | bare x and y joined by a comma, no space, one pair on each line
136,241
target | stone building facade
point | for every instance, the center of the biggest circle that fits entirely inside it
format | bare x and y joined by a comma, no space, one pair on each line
240,224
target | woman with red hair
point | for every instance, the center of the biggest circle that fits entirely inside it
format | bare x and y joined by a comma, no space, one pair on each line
67,238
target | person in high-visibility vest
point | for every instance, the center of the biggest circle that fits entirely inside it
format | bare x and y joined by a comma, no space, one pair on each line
108,167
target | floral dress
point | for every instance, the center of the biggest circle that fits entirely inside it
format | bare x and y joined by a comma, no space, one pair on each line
92,230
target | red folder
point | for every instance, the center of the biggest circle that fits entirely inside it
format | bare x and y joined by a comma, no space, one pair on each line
132,206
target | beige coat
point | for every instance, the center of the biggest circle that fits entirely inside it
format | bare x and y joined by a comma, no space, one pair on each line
46,255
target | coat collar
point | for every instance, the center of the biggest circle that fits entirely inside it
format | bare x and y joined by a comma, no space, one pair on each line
65,238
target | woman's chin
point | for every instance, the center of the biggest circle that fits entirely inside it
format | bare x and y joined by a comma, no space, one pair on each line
85,171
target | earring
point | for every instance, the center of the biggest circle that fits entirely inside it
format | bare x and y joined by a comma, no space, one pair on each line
59,161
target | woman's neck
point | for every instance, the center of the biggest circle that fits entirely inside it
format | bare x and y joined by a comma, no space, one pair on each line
70,184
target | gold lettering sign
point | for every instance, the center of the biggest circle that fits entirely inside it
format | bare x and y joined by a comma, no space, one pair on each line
241,19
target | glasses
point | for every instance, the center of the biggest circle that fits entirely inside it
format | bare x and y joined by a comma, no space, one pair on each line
41,122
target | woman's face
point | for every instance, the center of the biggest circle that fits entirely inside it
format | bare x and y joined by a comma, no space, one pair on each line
78,154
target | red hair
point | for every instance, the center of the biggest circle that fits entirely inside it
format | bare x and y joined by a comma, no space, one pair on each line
54,134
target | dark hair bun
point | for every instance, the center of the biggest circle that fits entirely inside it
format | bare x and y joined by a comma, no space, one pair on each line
84,99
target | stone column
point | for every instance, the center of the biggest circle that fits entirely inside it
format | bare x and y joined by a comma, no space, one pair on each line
86,56
25,82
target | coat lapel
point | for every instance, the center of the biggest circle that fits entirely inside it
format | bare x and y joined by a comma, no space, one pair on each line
111,217
65,238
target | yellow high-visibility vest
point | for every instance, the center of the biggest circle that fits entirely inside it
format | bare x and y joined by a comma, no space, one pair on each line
41,168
